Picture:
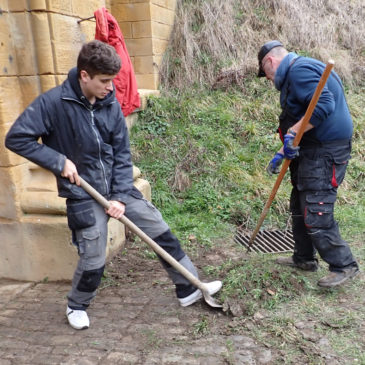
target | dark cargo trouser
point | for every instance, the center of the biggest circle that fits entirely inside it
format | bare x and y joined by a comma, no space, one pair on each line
88,222
316,175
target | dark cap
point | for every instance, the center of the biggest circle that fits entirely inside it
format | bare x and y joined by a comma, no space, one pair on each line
265,49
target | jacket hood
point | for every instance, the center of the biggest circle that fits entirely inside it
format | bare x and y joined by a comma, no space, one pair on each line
281,72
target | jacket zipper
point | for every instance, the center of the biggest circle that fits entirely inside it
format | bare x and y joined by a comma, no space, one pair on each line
99,148
93,127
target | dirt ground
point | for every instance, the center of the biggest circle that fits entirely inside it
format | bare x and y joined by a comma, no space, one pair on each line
136,319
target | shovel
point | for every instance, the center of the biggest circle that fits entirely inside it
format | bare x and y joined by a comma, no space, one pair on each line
306,118
160,251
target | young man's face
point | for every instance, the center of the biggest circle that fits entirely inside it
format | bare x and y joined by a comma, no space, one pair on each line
97,87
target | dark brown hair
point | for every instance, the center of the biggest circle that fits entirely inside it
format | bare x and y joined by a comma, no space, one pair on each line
97,57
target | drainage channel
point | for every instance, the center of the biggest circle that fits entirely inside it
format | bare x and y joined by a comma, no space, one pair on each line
267,241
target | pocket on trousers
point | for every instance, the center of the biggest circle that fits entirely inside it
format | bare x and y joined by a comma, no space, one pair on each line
311,174
89,245
80,215
319,211
338,172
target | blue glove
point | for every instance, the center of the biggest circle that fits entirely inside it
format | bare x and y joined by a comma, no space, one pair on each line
274,165
290,151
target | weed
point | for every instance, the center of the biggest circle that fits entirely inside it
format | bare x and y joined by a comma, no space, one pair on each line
202,327
153,340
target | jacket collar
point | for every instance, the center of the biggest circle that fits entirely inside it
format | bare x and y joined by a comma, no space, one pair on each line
282,71
72,89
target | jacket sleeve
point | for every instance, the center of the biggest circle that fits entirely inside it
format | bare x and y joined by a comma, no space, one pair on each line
304,81
122,179
23,136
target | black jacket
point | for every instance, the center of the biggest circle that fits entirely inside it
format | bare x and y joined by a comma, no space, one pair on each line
94,137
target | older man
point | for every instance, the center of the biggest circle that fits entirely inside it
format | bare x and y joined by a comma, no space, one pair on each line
318,165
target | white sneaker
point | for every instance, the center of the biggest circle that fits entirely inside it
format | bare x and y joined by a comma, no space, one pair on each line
77,319
213,287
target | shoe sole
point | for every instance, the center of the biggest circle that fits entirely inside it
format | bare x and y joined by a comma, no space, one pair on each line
341,281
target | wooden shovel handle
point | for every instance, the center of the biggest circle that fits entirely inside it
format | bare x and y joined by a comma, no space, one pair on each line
298,137
160,251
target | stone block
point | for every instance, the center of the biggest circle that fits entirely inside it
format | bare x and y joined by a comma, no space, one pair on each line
142,29
37,5
4,5
47,249
11,180
42,203
12,251
132,12
146,64
133,1
18,5
159,46
42,41
162,15
47,82
40,179
7,54
39,247
169,4
87,31
139,47
148,81
131,119
30,87
144,94
161,31
60,79
23,44
8,158
9,93
65,58
126,28
65,29
85,9
67,40
60,6
116,238
144,187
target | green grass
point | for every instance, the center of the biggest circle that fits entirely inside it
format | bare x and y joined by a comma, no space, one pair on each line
205,156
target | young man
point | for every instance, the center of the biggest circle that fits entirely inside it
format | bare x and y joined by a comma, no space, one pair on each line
318,167
84,134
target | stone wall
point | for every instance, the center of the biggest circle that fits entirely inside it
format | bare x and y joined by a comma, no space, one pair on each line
39,43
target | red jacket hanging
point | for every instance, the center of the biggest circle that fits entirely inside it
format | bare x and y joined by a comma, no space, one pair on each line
108,31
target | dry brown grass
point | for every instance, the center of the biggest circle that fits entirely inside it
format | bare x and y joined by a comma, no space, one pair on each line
213,36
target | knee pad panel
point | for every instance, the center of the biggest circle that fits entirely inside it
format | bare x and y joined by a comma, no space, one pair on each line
90,280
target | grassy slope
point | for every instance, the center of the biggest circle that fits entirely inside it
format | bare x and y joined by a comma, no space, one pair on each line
205,155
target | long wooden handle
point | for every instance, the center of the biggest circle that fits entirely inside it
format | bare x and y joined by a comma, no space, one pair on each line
160,251
298,137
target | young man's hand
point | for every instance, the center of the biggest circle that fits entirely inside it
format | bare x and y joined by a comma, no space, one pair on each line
116,209
70,172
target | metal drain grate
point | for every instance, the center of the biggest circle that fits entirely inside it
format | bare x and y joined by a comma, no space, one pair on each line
267,241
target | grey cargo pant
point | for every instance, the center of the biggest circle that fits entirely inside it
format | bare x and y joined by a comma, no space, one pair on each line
88,222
